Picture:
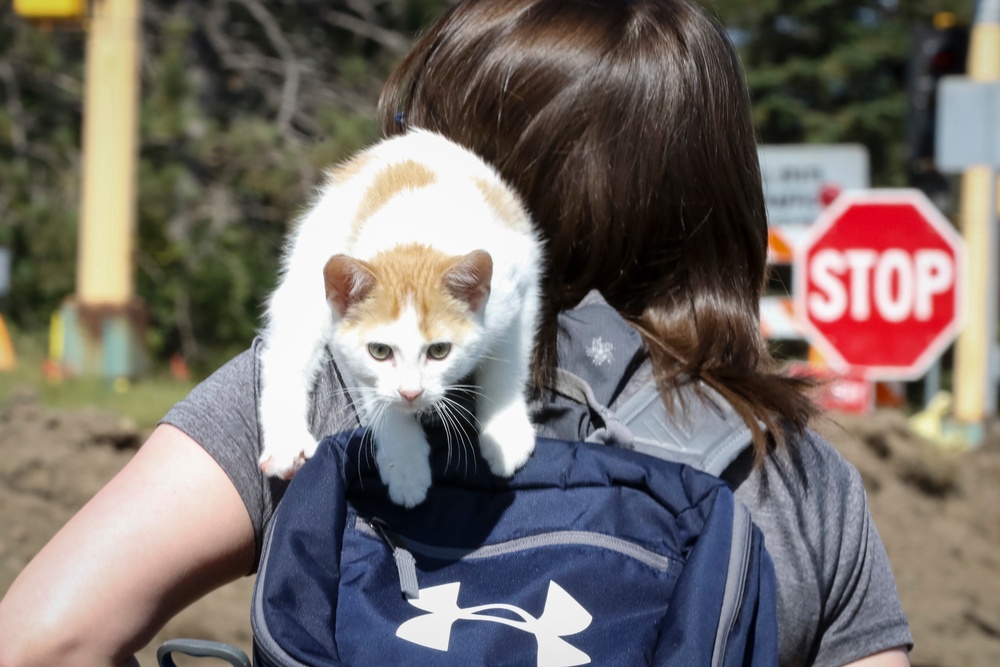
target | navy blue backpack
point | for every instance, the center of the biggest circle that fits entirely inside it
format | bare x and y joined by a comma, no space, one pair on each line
590,554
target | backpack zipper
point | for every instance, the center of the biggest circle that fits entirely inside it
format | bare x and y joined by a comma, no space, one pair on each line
406,564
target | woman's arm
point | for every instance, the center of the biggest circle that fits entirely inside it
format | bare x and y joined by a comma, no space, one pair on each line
169,528
896,657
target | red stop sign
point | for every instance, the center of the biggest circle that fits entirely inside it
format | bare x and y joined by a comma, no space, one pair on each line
878,283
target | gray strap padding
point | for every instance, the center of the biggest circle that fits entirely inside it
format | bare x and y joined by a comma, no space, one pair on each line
705,433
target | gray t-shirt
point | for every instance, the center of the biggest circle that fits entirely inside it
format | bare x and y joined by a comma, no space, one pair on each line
837,600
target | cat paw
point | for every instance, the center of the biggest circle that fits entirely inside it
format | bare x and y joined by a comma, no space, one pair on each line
407,485
284,464
507,441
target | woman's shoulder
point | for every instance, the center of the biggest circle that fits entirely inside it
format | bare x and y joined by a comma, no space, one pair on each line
810,465
808,485
806,468
811,505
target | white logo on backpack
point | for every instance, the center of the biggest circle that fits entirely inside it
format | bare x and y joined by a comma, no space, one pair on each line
561,616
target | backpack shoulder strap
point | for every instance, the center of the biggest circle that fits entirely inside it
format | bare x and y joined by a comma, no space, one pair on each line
705,433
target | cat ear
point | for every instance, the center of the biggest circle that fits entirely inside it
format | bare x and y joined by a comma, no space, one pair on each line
348,281
469,278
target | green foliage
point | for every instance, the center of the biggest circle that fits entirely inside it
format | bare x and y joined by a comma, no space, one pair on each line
39,157
244,105
833,71
246,102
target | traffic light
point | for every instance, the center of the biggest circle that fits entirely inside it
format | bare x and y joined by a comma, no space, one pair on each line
938,50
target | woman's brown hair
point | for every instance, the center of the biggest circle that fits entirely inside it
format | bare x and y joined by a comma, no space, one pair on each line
626,127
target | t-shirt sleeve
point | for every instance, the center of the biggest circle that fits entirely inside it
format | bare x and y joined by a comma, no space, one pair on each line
221,414
837,599
863,613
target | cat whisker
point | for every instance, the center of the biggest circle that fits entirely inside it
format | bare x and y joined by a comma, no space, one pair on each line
469,417
447,421
479,395
457,415
498,359
460,416
346,389
330,392
374,435
323,399
471,389
441,410
352,394
374,415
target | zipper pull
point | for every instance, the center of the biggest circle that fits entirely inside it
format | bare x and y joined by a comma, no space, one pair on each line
406,565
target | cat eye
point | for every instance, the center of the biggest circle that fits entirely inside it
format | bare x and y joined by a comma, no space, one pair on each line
439,351
379,351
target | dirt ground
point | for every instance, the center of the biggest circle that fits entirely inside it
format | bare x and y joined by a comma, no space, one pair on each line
938,514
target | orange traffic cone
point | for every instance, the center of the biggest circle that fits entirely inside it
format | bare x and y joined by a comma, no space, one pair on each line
7,359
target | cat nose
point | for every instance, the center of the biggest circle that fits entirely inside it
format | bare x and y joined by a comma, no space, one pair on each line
411,394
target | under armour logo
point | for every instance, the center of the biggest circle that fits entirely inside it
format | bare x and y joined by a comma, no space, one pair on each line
600,352
561,616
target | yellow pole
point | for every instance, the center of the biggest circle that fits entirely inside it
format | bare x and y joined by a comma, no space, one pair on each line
975,383
102,323
107,223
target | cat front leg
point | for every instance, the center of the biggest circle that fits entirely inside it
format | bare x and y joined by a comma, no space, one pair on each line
285,461
289,364
287,442
403,457
506,434
507,439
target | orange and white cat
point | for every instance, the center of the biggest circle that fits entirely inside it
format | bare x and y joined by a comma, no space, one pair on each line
417,267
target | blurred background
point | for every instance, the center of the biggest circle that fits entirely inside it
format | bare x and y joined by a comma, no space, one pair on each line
241,105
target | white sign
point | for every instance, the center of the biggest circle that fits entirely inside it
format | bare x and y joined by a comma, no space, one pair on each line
798,176
966,132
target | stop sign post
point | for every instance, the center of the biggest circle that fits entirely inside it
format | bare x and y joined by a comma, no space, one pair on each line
878,283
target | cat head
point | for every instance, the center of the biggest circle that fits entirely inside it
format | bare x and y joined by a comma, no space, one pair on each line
409,321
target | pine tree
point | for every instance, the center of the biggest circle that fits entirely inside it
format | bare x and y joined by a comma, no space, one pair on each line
833,71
